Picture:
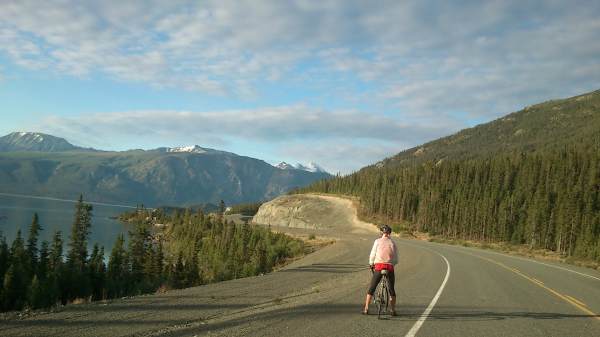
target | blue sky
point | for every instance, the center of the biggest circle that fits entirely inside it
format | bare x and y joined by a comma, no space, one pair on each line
342,83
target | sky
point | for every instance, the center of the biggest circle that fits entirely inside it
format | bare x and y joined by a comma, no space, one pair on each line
339,82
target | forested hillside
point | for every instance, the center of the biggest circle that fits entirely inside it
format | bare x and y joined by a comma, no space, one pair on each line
544,193
534,128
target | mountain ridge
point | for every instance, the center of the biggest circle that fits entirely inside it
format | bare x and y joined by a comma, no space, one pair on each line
44,165
41,142
35,141
568,120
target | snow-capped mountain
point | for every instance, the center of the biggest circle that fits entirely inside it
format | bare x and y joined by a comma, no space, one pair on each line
34,141
193,149
285,166
188,149
311,167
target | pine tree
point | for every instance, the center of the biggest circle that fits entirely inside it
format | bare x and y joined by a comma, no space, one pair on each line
77,279
177,274
44,261
97,272
56,280
118,270
32,248
13,290
80,231
139,245
55,260
4,259
36,294
15,284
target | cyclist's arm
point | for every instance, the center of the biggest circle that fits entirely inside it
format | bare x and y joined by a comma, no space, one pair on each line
395,256
373,253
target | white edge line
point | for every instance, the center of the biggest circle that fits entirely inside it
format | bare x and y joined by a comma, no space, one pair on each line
415,328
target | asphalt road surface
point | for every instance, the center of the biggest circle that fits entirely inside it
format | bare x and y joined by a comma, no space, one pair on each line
442,290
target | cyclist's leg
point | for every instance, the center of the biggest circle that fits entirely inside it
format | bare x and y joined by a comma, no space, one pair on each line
371,290
391,281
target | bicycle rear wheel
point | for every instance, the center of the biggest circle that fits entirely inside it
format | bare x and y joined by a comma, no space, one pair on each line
383,296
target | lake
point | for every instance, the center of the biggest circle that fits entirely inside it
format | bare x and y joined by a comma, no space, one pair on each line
16,213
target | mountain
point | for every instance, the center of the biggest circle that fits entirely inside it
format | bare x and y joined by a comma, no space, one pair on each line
190,149
285,166
165,176
534,128
34,141
311,167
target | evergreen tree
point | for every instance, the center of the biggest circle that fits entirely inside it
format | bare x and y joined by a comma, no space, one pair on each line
118,270
4,260
15,284
139,245
80,231
55,259
57,283
14,290
77,279
36,294
177,274
32,241
97,273
44,261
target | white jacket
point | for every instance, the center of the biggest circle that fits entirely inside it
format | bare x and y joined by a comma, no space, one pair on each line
384,251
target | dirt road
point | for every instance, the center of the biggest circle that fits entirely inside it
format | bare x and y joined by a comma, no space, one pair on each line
442,291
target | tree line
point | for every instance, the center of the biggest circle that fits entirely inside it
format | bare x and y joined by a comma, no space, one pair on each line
547,199
193,249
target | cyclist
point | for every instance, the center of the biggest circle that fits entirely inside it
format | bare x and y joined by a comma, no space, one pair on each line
384,255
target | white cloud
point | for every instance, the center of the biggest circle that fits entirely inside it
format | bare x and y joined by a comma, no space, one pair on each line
265,124
333,138
423,56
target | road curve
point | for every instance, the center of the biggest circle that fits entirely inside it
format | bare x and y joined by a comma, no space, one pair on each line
484,294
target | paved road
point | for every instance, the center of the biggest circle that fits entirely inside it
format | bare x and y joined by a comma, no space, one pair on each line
484,294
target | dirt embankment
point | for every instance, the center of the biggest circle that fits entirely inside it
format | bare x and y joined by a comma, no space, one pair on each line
309,211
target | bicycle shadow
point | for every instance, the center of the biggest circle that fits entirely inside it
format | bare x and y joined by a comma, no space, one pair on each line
341,268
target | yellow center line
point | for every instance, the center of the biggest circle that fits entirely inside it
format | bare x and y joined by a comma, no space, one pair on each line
574,302
537,281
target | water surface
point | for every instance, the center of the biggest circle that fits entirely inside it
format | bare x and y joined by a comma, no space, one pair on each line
16,212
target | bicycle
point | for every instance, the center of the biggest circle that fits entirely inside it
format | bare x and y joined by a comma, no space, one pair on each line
382,294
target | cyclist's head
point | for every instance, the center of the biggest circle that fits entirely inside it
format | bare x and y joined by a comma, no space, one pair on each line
385,229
